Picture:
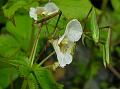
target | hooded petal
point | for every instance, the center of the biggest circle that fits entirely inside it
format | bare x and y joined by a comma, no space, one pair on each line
51,8
60,55
33,13
73,30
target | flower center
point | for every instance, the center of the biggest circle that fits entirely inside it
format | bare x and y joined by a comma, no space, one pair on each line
64,45
41,11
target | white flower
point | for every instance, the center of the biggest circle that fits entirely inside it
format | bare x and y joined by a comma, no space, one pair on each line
48,9
64,45
33,13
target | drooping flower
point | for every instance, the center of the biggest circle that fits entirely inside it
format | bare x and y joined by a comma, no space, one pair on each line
64,45
48,9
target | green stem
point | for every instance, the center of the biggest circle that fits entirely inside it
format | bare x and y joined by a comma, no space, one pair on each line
47,28
101,28
101,42
42,51
32,55
31,39
114,71
48,17
46,58
104,7
88,37
54,32
86,18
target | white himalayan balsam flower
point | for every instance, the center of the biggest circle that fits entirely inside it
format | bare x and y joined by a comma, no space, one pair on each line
64,45
48,9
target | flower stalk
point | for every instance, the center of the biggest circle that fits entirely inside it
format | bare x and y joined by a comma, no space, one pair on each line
33,51
44,60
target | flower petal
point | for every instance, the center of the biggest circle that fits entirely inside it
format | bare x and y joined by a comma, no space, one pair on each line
40,10
67,58
68,55
51,8
61,59
33,13
71,45
73,30
60,55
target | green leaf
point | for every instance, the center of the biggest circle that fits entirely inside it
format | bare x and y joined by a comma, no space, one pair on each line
24,84
24,71
7,75
94,26
116,5
19,61
45,79
8,46
22,31
13,5
107,46
104,55
32,82
74,8
1,87
106,50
